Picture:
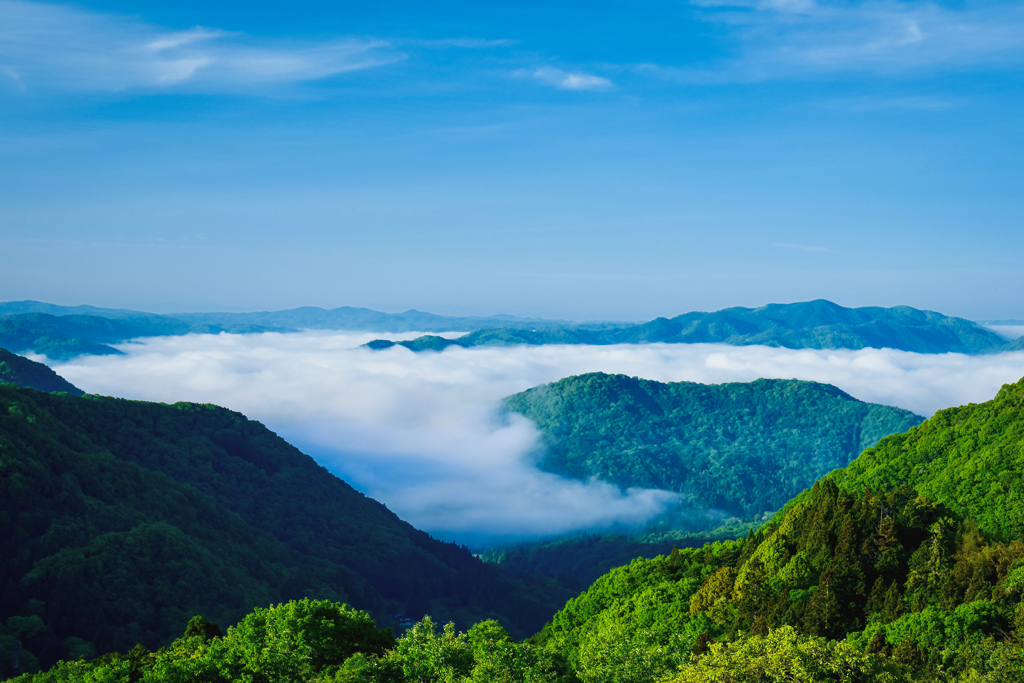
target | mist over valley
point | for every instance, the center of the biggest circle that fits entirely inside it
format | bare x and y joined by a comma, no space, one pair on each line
421,432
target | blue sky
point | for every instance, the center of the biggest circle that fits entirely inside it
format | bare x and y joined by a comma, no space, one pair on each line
579,160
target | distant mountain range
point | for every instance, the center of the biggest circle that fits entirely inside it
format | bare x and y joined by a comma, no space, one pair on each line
64,332
744,448
810,325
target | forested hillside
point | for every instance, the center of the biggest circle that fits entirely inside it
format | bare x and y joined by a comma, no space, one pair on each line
851,583
969,458
744,448
28,373
123,519
923,589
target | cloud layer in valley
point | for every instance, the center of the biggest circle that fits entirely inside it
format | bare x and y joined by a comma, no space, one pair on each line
420,432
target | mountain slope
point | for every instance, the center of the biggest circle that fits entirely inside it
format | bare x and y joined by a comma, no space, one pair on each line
28,373
861,557
969,458
123,518
740,447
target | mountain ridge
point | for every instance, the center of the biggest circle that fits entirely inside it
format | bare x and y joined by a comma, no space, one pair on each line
818,324
64,332
744,447
124,518
32,375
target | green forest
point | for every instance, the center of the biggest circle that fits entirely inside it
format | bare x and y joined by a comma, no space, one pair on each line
123,519
905,566
15,369
744,448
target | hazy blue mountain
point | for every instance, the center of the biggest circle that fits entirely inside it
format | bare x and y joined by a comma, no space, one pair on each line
63,332
740,447
304,318
1015,345
809,325
28,373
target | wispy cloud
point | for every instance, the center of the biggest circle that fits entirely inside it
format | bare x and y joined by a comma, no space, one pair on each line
418,431
565,80
778,38
56,46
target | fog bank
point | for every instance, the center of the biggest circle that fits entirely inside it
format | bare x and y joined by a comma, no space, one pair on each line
419,432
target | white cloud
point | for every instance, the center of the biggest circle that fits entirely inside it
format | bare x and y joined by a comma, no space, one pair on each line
1009,332
778,38
56,46
419,431
566,80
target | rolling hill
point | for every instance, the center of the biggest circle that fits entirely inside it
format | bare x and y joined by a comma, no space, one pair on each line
740,447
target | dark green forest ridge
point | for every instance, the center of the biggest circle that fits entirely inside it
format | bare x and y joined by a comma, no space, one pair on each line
849,584
122,519
742,447
62,332
816,324
26,373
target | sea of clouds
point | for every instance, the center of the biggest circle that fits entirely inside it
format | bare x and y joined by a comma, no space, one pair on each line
421,433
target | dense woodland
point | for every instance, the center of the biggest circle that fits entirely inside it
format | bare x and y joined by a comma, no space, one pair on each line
744,448
19,370
907,566
123,519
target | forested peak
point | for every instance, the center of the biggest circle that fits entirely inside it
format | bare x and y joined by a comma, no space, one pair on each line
969,458
1012,394
742,447
28,373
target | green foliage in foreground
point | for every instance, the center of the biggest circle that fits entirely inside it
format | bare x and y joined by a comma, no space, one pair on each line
891,574
783,656
742,447
318,641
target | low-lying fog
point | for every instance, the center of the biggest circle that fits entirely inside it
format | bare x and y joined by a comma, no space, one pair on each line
418,431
